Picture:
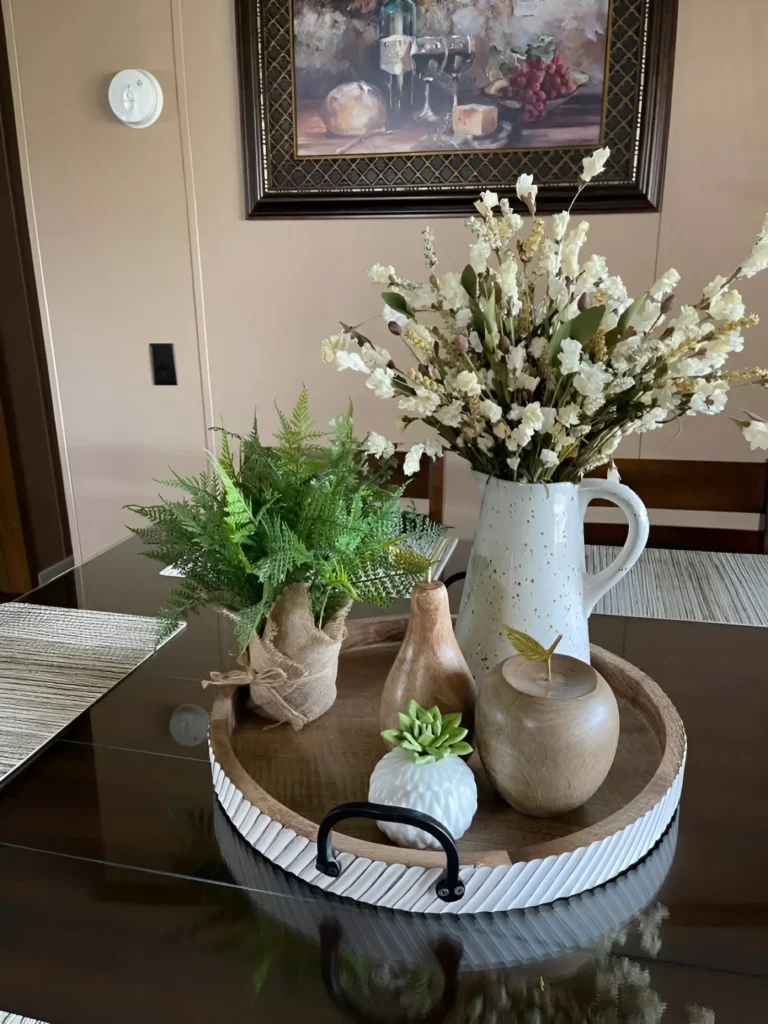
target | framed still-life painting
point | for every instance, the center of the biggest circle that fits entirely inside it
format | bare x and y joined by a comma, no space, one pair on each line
376,107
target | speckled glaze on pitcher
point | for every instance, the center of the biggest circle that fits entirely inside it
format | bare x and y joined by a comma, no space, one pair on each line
527,567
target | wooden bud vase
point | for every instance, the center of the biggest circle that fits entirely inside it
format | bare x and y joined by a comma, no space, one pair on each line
429,667
547,746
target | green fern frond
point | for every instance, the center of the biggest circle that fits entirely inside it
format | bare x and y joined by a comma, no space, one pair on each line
265,517
297,430
226,459
239,517
411,562
285,553
247,623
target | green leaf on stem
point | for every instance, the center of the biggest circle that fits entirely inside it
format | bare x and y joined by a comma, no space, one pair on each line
582,328
399,303
625,321
469,281
558,337
491,326
478,320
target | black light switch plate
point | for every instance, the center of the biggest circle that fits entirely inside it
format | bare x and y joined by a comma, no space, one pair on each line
163,364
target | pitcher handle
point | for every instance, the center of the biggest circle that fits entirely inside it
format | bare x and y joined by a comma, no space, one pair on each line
597,584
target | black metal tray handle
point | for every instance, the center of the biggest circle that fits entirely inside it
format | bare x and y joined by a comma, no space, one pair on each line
449,886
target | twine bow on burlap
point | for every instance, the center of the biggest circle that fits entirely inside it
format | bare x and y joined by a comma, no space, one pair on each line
269,688
291,669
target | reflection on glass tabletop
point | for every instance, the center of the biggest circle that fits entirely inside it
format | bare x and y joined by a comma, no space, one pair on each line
128,896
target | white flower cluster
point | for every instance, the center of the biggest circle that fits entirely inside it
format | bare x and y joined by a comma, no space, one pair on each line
533,362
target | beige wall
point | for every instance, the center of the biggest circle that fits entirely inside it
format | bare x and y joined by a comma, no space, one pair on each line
142,238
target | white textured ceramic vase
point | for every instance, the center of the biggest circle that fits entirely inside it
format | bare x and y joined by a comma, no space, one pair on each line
445,789
527,567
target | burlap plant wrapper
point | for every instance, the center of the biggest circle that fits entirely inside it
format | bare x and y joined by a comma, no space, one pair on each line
291,668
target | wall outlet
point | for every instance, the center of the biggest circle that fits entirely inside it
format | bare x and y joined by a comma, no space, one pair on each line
163,364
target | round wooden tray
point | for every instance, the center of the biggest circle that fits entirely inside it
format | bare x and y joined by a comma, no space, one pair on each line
276,785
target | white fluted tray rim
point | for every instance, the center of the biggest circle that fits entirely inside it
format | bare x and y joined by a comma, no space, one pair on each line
487,941
388,876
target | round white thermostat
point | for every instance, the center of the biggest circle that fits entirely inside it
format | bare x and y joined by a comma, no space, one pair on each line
136,98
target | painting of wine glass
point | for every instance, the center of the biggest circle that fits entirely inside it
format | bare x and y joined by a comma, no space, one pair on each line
424,76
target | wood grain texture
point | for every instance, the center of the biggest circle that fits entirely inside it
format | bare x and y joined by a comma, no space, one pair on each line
429,667
428,482
702,539
302,775
547,746
693,486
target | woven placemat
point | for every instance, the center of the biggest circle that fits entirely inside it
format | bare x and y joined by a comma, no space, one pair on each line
16,1018
54,663
689,586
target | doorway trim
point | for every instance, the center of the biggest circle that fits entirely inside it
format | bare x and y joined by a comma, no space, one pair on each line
28,384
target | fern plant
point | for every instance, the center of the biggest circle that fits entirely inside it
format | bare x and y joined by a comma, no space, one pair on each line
267,516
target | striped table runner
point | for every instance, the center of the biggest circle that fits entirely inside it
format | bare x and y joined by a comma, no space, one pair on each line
54,663
695,586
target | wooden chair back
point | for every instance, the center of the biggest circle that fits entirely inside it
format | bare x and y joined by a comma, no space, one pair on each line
693,486
428,483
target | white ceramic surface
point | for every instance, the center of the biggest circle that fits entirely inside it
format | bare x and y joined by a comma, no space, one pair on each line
514,886
527,567
487,941
446,790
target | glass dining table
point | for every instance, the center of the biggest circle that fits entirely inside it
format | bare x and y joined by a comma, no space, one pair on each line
126,895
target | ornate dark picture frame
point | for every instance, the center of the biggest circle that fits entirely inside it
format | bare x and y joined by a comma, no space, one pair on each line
281,183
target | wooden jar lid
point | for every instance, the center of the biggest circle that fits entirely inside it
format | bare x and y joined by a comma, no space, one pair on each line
571,678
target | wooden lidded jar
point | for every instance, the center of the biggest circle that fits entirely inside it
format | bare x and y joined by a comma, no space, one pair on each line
547,745
429,667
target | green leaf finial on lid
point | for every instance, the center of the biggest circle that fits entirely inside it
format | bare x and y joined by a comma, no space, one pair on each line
532,649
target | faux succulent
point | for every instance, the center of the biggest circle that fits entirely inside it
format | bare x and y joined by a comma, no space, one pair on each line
429,736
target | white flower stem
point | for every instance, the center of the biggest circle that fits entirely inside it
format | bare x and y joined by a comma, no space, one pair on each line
578,193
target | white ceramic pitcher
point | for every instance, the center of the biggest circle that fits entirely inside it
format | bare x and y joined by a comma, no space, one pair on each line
527,567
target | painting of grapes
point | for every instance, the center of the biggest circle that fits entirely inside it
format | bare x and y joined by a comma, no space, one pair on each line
385,77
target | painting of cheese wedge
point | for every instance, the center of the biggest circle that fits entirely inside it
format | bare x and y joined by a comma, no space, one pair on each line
422,76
